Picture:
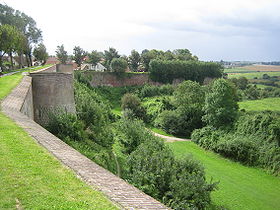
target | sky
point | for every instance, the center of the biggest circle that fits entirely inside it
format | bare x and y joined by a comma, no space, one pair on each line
245,30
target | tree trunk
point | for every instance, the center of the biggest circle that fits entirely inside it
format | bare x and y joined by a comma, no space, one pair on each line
30,59
11,59
20,60
27,59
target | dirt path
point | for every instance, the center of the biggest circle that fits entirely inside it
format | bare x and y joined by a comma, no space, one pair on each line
170,138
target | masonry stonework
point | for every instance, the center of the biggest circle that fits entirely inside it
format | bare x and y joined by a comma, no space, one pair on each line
52,92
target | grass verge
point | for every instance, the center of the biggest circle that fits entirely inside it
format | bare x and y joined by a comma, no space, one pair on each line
240,187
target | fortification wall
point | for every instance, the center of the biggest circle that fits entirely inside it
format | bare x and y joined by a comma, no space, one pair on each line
52,92
117,80
64,68
27,106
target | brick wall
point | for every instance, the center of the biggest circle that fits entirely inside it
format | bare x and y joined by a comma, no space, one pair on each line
117,80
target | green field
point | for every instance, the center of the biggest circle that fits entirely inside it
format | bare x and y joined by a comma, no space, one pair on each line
31,178
237,70
272,104
240,187
252,75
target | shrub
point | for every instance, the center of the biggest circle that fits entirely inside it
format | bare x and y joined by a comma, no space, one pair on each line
132,102
152,90
181,184
66,125
118,65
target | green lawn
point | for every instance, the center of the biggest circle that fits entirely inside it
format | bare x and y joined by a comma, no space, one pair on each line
240,187
237,70
31,178
272,104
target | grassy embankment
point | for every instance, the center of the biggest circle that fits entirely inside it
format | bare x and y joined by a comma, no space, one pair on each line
240,187
31,178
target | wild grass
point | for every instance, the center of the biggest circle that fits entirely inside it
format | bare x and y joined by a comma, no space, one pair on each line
240,187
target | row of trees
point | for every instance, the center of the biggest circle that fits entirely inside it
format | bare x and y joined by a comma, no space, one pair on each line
135,61
19,35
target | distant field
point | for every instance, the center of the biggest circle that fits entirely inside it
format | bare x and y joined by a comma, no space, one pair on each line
253,71
272,104
240,187
252,75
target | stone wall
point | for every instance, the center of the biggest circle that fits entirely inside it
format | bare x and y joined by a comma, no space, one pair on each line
117,80
64,68
52,92
27,106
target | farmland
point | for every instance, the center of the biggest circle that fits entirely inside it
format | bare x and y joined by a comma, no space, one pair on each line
272,104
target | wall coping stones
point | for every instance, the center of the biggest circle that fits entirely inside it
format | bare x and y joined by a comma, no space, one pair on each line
117,190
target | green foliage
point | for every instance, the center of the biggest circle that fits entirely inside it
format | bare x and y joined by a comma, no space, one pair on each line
166,71
66,125
40,53
118,65
109,56
220,104
78,55
61,54
134,60
152,90
240,83
253,141
133,103
180,184
94,57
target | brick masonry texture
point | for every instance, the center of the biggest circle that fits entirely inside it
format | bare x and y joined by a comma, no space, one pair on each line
116,189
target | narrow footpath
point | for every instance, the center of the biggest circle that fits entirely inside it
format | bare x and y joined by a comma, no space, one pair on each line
169,138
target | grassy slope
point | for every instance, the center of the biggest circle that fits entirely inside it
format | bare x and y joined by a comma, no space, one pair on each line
240,187
252,75
272,104
33,177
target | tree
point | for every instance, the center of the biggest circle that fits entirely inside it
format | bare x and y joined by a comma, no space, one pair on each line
118,65
79,55
26,25
94,57
40,53
10,39
134,60
220,104
61,54
133,103
183,55
110,55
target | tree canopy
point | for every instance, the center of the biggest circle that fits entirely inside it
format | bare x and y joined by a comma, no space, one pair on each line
61,54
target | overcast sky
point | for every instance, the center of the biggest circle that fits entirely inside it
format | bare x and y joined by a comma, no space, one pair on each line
210,29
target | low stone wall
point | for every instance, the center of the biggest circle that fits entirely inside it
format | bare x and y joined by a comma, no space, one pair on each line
113,79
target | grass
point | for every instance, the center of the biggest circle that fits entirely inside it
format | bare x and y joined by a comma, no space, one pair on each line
240,187
272,104
31,178
252,75
7,83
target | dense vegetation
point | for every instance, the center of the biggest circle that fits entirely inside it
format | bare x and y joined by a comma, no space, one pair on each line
166,71
125,147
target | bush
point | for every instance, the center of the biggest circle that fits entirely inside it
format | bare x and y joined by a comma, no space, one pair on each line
152,90
132,102
66,125
181,184
118,65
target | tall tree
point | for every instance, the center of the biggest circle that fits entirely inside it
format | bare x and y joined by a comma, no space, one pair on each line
9,40
109,55
79,55
40,53
61,54
134,60
94,57
23,23
220,104
184,55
